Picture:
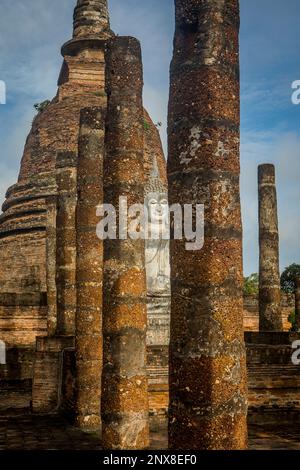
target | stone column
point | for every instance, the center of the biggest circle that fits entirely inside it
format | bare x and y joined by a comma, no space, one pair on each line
297,302
270,318
89,269
208,391
66,243
125,388
51,264
91,19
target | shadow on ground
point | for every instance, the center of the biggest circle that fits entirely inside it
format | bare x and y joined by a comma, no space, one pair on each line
28,432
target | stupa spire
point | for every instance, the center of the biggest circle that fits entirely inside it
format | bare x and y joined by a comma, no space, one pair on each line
91,19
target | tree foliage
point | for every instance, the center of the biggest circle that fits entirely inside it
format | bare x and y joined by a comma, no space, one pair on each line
251,284
40,107
288,278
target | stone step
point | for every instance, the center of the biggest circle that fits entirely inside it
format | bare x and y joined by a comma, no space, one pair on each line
15,395
277,370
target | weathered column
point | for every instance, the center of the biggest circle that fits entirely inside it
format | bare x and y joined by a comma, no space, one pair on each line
270,318
297,302
125,390
208,391
51,264
66,243
89,269
91,19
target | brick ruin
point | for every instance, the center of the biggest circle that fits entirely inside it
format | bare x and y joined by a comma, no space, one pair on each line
37,226
251,311
88,325
89,269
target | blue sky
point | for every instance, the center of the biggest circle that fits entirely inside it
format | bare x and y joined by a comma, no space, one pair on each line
32,31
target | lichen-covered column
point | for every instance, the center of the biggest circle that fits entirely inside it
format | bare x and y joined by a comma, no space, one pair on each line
208,385
89,269
125,389
66,163
270,318
51,205
297,302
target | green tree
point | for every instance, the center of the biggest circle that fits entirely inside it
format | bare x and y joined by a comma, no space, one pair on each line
251,284
40,107
288,278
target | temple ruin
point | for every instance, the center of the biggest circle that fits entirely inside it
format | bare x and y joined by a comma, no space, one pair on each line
115,335
269,275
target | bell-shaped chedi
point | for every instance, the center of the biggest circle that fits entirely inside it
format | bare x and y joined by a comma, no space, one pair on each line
55,129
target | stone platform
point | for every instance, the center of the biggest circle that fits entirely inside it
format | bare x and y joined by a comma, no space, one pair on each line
273,380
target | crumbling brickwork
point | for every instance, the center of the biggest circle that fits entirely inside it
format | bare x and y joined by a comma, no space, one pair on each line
91,19
274,380
46,381
28,223
61,282
251,311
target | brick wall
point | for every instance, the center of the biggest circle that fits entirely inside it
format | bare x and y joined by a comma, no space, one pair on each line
251,312
274,382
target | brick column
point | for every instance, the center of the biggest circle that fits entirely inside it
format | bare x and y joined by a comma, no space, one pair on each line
89,270
269,275
51,264
125,390
297,303
66,243
208,391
